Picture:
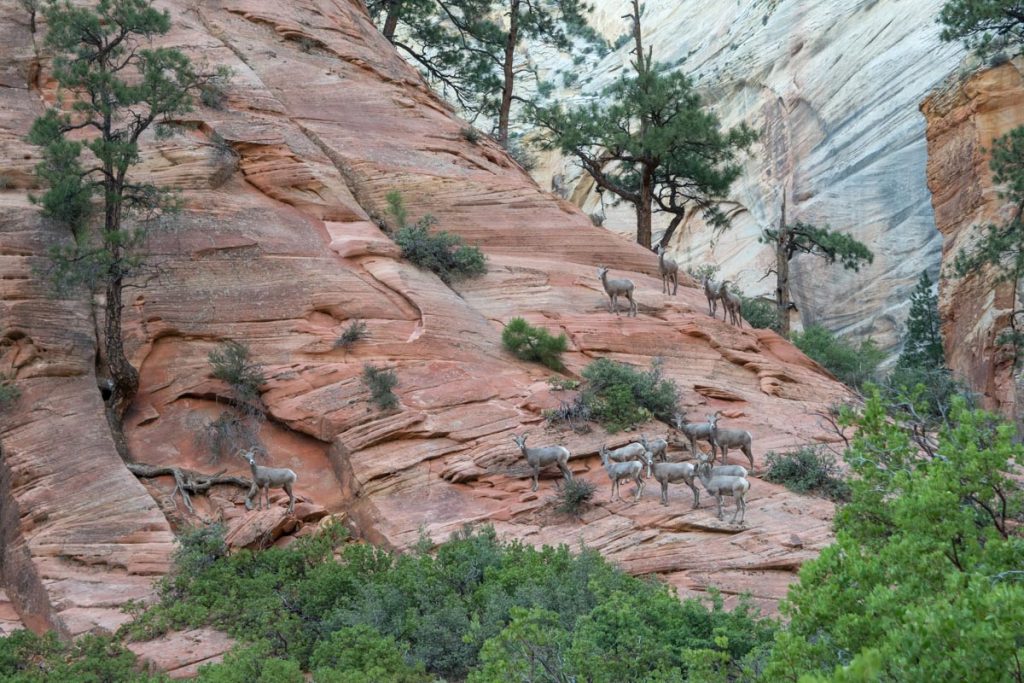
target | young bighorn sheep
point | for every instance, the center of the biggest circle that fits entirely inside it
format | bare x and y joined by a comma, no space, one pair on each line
731,304
726,470
544,456
657,447
617,471
720,485
265,477
673,472
695,431
724,439
616,288
631,451
713,291
669,270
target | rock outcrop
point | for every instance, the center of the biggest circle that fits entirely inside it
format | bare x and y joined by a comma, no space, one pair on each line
833,90
964,117
278,245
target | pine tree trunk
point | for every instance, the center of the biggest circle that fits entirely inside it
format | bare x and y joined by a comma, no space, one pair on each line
643,210
782,295
124,376
391,21
671,230
509,75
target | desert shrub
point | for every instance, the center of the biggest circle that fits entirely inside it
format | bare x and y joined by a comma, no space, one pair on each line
213,92
380,382
9,392
470,134
353,333
28,658
620,396
520,152
760,313
534,343
852,365
574,496
356,613
199,547
230,432
575,413
440,252
808,470
231,364
253,664
562,384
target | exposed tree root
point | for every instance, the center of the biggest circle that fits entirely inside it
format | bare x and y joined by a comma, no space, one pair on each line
188,481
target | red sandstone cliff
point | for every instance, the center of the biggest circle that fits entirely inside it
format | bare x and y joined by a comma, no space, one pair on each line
277,247
963,118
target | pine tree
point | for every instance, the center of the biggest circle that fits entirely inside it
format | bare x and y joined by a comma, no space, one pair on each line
471,50
650,141
117,88
986,27
922,346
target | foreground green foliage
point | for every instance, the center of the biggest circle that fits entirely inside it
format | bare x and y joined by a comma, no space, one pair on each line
808,470
534,343
440,252
620,396
28,658
923,582
374,616
852,365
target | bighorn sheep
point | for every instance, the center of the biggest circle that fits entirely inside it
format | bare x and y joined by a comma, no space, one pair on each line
726,470
713,291
720,485
265,477
731,304
617,471
631,451
695,431
616,288
544,456
669,270
724,439
673,472
657,447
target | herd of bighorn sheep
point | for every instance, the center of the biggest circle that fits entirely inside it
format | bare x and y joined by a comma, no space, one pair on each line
630,462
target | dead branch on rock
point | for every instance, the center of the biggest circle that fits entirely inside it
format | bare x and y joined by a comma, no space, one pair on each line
187,481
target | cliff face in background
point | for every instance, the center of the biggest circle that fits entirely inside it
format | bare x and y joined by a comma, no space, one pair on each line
833,89
964,117
276,247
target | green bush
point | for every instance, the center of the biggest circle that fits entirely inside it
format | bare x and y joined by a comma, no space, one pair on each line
574,413
353,333
574,496
232,365
253,664
360,654
470,134
761,314
808,470
440,252
381,382
28,658
9,392
619,396
534,343
852,365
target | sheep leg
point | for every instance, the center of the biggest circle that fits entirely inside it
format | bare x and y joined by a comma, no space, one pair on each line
266,494
664,492
566,472
675,283
750,457
291,497
696,496
632,304
615,489
248,497
536,476
640,484
718,497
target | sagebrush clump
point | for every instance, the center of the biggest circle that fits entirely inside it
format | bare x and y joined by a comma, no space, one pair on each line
353,333
621,396
380,382
440,252
231,364
808,470
574,496
534,343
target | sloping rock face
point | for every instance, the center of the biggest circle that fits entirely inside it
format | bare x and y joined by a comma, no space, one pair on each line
964,118
833,90
278,246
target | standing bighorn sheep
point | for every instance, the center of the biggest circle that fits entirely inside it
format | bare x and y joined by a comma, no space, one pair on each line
265,477
727,470
731,304
666,473
695,431
544,456
631,451
720,485
616,288
669,270
617,471
657,447
724,439
713,291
